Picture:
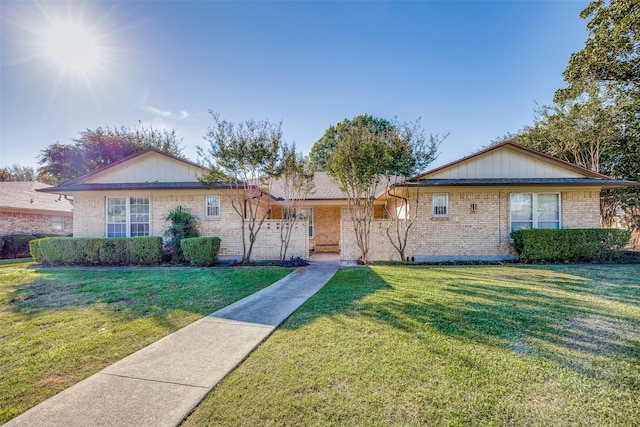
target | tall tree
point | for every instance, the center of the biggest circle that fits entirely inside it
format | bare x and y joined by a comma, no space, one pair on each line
326,145
296,184
402,200
245,159
94,149
361,156
584,131
611,54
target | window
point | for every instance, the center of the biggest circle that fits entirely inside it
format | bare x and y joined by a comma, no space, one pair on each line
57,223
213,206
128,216
402,211
441,205
535,210
308,214
303,215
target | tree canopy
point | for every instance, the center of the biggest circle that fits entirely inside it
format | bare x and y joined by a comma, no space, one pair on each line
94,149
405,149
611,54
595,120
364,155
242,157
18,172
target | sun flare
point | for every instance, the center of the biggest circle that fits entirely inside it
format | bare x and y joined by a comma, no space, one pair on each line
72,48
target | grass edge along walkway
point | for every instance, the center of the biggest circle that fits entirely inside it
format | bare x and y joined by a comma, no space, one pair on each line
160,384
59,326
550,345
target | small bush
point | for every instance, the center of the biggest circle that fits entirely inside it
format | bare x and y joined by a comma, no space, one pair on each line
183,226
97,251
16,245
146,250
202,251
293,262
570,245
34,249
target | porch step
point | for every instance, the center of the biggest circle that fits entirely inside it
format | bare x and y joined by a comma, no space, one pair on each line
327,248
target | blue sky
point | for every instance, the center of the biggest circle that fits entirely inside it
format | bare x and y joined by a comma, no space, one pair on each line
473,69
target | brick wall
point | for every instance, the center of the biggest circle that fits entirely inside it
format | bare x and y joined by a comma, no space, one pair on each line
90,221
581,209
20,222
465,233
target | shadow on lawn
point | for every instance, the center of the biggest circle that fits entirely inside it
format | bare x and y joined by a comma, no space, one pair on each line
527,311
128,295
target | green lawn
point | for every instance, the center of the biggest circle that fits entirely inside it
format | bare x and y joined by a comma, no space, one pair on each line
19,262
521,346
60,326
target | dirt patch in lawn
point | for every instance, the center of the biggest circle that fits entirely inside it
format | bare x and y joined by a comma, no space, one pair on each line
52,295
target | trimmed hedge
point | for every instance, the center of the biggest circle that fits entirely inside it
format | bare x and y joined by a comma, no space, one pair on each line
97,251
570,244
202,251
16,245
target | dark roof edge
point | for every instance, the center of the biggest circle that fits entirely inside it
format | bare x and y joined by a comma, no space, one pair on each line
577,182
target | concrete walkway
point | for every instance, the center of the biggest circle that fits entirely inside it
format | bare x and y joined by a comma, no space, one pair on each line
162,383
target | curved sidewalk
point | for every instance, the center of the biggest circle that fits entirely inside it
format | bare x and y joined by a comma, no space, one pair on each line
162,383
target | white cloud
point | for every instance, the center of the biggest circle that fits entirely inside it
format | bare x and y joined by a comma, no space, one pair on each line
145,106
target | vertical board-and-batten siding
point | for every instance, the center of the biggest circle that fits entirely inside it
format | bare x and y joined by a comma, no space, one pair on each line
149,167
503,164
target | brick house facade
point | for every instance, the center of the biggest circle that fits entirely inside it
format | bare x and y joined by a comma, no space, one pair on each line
466,209
24,210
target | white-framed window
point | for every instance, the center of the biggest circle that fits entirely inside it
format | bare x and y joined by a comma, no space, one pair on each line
402,210
128,216
440,205
535,210
212,209
57,223
306,213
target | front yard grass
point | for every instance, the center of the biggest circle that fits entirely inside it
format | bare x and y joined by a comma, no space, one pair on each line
58,327
522,346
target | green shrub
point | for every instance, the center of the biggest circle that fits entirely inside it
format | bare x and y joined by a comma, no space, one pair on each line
59,251
570,244
183,225
98,251
16,245
202,251
146,250
1,245
34,250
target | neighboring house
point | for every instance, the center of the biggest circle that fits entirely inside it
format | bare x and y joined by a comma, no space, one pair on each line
25,210
466,209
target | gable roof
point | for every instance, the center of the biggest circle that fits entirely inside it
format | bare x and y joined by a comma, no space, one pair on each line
504,164
324,188
24,196
528,164
148,169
